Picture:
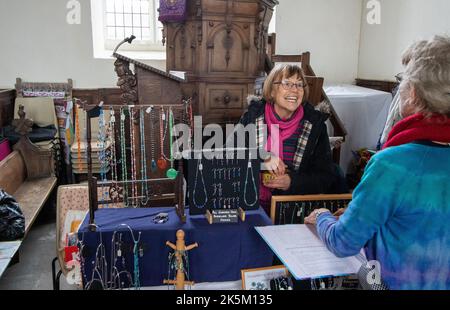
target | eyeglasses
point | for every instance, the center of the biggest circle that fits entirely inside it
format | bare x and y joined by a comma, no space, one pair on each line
289,85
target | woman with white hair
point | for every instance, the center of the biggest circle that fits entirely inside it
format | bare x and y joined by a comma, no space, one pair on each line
400,211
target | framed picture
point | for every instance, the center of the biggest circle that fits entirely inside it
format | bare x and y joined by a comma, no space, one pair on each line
259,278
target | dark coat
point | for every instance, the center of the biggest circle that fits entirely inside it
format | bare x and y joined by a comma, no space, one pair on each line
317,174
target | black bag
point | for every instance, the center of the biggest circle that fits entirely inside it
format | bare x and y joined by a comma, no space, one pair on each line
12,221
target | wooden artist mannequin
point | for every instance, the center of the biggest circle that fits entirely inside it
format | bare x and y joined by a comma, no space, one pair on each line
180,248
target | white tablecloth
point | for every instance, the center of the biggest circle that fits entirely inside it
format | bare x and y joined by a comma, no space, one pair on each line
363,112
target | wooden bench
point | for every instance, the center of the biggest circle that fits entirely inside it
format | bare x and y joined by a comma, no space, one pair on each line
27,175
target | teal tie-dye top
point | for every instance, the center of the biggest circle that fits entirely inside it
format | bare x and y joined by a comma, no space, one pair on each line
400,215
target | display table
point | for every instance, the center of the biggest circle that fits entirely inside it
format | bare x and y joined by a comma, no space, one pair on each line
363,112
224,249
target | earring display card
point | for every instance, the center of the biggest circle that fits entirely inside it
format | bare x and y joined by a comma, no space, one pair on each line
229,180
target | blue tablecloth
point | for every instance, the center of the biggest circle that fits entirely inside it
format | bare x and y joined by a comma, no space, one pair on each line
224,249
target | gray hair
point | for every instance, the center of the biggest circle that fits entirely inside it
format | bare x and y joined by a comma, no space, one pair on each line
428,72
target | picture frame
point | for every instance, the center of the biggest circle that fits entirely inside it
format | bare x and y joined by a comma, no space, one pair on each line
259,278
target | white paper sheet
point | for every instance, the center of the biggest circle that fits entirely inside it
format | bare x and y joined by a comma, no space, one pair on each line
304,254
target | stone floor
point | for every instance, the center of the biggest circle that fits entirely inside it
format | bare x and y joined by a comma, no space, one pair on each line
34,269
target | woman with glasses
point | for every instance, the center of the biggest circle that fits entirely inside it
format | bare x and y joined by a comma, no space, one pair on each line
300,159
400,211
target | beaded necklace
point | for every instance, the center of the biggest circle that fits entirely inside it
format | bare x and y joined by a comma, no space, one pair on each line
113,159
199,170
162,162
133,158
123,155
250,169
144,187
77,133
101,143
171,173
154,167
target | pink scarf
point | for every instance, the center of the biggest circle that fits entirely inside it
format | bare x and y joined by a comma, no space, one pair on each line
278,132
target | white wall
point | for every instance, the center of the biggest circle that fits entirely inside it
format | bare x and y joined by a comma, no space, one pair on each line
402,23
37,44
329,29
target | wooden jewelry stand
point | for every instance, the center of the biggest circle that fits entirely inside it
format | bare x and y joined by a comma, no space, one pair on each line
144,87
179,249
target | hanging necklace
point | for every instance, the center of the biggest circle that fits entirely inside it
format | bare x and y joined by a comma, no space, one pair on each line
113,191
137,282
144,187
123,155
154,167
199,171
133,158
101,143
77,133
250,169
171,173
162,162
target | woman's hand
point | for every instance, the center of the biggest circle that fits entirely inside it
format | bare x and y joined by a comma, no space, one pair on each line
311,219
275,166
280,182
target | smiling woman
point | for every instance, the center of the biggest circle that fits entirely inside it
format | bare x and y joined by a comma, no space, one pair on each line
300,162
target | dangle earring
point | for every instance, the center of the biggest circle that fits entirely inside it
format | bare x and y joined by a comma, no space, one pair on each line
162,162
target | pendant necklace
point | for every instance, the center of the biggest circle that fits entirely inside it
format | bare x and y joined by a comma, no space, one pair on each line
199,170
250,169
144,187
171,173
123,156
162,162
154,167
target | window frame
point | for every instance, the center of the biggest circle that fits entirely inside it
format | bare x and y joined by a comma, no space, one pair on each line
139,49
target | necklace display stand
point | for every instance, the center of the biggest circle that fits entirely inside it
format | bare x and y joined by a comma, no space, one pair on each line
148,96
181,263
223,185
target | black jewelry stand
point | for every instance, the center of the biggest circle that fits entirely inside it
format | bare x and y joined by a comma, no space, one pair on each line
223,183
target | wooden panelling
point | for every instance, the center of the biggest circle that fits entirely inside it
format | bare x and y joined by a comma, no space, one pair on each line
109,96
222,48
7,98
387,86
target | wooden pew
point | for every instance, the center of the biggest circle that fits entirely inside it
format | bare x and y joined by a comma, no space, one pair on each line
27,175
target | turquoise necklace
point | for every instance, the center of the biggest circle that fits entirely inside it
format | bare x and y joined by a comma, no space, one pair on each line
250,169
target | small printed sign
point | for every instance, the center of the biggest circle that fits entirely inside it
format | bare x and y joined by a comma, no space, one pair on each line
225,216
